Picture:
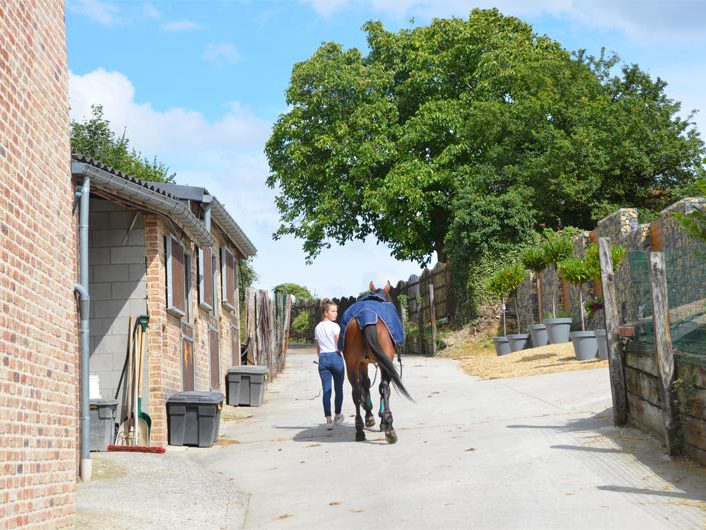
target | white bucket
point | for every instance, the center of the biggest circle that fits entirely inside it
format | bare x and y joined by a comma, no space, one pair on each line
94,386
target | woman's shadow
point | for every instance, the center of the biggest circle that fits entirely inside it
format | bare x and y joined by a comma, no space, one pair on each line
340,433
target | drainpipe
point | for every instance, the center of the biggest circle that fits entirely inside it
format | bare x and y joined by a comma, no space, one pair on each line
207,212
84,305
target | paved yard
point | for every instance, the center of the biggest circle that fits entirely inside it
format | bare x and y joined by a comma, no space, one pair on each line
532,452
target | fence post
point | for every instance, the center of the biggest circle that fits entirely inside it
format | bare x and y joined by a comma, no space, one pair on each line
420,321
251,324
663,350
618,388
432,318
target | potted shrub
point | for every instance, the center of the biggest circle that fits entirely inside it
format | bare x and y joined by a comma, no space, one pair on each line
514,276
496,285
536,260
617,254
501,284
557,247
577,271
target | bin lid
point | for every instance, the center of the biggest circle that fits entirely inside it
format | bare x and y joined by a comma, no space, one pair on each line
196,397
104,402
249,369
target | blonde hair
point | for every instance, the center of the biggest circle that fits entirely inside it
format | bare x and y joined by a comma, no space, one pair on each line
326,303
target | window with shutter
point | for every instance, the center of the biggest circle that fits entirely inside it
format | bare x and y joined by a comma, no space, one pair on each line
215,358
176,275
228,278
205,278
214,283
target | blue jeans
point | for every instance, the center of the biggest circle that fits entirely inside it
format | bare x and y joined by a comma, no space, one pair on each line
331,365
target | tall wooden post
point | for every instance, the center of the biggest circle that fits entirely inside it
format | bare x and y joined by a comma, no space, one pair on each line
420,320
250,323
432,318
618,389
663,350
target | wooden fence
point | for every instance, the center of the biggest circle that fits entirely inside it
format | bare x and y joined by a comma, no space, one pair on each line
429,301
268,318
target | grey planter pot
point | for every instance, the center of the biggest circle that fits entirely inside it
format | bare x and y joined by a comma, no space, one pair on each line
602,344
502,345
519,341
539,335
558,329
585,345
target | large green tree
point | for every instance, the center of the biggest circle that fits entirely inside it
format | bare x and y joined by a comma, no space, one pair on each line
94,137
478,114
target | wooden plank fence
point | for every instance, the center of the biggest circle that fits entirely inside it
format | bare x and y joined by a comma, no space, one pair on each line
268,318
429,302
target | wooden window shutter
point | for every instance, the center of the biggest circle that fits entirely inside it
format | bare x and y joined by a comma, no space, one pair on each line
176,288
187,350
215,358
228,277
205,278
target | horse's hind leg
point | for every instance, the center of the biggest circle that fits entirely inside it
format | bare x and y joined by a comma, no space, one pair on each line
385,412
357,396
367,401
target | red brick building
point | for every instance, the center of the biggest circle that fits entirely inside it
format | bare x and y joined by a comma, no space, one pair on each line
170,252
38,324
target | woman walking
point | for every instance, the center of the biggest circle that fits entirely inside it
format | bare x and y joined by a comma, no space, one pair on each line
330,360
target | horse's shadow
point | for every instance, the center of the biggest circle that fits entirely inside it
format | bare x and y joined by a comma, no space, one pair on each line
340,433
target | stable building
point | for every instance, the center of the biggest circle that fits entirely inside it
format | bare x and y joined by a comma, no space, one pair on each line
171,253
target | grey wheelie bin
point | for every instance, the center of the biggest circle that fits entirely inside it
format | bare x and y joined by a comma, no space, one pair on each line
102,416
245,385
193,418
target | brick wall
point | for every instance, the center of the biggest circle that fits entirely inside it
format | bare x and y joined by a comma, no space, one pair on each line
38,327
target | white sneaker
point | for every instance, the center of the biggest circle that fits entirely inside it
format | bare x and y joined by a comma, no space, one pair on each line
338,419
329,424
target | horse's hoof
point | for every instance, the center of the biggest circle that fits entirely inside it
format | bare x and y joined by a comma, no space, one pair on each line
369,421
359,436
391,436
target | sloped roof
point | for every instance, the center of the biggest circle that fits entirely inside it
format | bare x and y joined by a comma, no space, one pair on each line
168,199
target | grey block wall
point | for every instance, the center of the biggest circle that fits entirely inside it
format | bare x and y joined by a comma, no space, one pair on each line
117,275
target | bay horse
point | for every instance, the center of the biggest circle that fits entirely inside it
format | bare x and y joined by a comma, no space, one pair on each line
372,332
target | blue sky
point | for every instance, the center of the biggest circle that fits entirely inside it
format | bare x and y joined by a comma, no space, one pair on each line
199,84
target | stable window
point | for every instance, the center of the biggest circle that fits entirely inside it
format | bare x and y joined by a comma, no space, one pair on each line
214,282
205,267
176,276
228,275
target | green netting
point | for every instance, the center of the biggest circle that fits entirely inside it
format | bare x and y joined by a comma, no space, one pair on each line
686,290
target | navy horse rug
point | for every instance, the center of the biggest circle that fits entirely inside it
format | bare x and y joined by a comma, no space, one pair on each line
367,310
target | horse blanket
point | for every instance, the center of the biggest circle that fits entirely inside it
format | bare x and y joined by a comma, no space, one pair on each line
367,311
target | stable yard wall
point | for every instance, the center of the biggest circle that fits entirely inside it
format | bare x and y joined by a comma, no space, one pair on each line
38,313
169,354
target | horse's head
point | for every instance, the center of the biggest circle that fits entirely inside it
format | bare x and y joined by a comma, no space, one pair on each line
384,292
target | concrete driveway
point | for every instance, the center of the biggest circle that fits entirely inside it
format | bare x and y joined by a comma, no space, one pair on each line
534,452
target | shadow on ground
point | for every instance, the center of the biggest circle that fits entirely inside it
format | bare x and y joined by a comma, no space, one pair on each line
686,480
341,433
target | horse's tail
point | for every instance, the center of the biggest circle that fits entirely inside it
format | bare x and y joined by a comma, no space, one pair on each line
386,365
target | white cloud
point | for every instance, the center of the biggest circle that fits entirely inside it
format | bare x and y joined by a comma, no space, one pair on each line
225,155
221,52
640,20
181,25
102,12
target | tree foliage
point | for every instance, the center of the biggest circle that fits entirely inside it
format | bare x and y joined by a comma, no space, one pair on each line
462,136
94,138
299,291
